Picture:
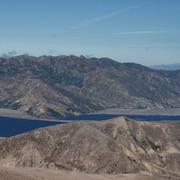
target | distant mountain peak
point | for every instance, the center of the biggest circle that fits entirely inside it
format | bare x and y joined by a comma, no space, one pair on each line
170,67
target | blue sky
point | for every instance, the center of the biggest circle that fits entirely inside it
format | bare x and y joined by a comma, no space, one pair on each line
142,31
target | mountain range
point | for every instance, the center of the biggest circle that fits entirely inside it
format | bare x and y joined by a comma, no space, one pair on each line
168,67
54,87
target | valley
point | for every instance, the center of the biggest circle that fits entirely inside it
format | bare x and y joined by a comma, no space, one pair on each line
90,90
70,117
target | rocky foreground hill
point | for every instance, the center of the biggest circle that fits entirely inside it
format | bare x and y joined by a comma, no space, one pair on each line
51,87
118,146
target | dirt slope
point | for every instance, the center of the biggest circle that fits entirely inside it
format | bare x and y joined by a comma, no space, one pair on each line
111,147
41,174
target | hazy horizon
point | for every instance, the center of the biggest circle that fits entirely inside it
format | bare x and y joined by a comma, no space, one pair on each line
140,31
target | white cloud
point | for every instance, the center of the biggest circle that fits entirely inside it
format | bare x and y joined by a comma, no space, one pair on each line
142,32
107,16
9,54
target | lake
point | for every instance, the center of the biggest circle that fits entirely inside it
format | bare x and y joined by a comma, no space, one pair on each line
14,126
101,117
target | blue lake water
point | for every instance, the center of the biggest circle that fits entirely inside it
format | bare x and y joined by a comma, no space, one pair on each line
14,126
101,117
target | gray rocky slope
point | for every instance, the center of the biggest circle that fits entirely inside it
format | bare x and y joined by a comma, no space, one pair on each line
52,87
